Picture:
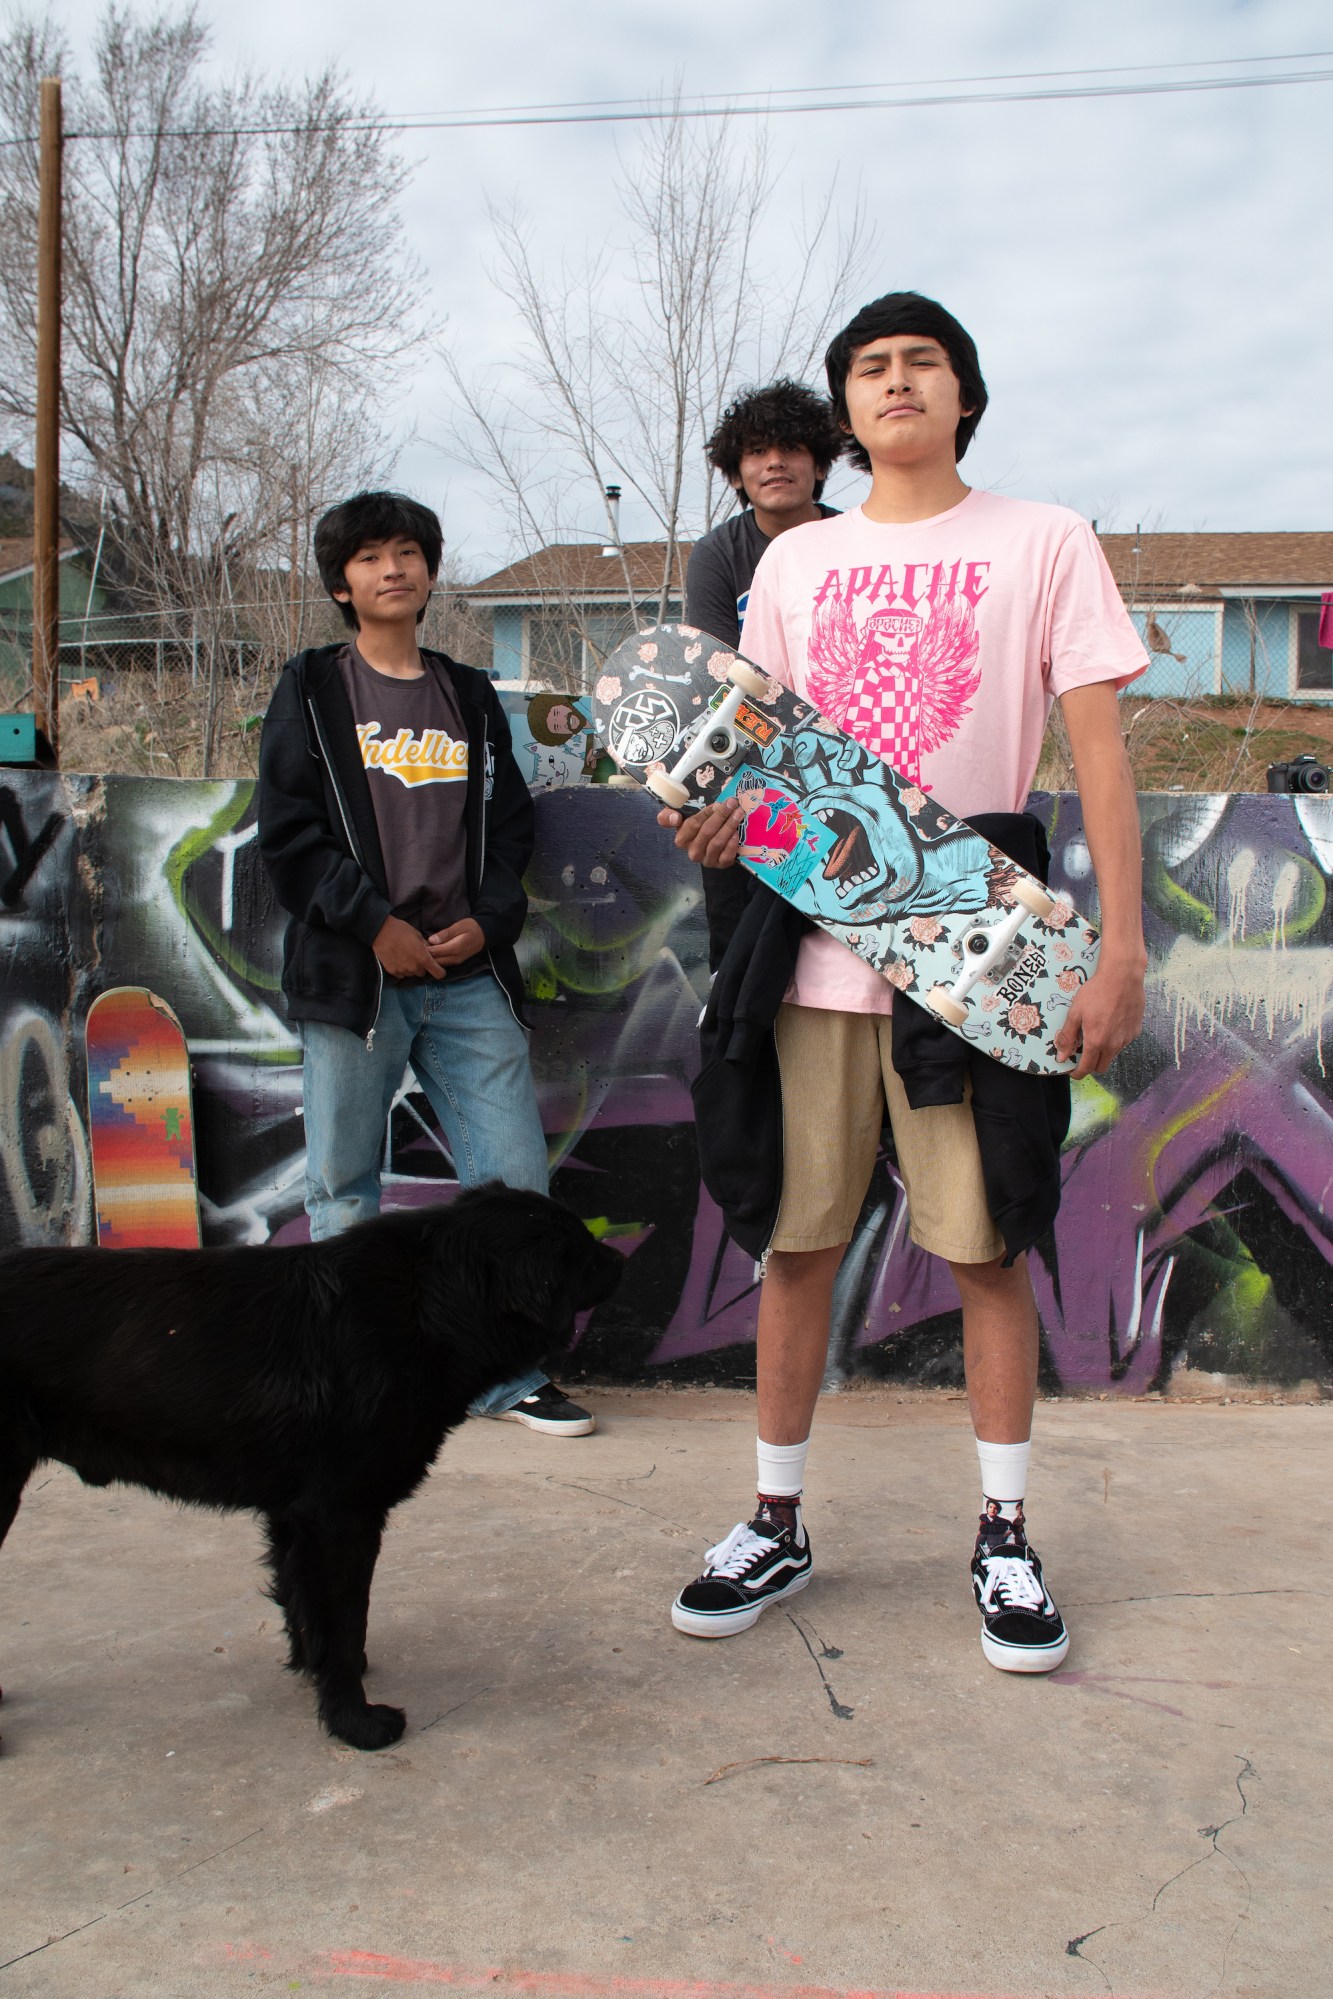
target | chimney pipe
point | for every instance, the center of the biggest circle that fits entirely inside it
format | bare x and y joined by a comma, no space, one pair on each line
613,512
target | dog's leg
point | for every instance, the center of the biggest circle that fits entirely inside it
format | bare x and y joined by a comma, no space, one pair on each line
17,1462
284,1586
334,1560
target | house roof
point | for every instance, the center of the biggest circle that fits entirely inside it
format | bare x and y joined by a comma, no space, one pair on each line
1154,565
1158,564
16,554
576,569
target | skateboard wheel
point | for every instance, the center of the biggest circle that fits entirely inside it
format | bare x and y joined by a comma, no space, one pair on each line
667,789
1034,897
942,1002
748,680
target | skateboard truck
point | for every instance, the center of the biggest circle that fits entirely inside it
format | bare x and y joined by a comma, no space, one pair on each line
984,946
716,741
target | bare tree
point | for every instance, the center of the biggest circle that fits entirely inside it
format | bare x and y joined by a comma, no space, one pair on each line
625,364
237,305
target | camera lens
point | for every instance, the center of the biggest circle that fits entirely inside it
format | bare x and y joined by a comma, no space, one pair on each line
1309,777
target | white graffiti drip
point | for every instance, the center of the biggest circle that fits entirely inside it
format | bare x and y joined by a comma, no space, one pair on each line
1239,876
1284,894
1207,985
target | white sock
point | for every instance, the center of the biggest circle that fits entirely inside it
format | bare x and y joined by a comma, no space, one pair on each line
781,1468
1004,1471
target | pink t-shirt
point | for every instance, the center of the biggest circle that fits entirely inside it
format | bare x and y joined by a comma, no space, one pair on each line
940,644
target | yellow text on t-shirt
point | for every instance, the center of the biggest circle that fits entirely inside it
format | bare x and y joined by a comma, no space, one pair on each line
433,757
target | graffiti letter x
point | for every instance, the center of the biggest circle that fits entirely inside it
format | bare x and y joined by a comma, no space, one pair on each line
26,853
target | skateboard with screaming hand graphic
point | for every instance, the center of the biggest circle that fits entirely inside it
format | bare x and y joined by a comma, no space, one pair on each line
875,861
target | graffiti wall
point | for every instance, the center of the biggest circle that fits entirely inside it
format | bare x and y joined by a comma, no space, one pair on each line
1195,1227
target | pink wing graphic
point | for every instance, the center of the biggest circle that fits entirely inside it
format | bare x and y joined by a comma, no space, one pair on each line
834,649
950,676
901,684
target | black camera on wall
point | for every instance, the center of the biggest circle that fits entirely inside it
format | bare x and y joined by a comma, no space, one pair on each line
1304,774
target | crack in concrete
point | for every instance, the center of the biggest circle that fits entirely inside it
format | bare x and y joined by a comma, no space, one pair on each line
142,1896
572,1485
841,1711
457,1704
1074,1948
1213,1834
1171,1595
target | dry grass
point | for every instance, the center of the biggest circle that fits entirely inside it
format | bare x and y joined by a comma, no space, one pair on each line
145,728
1213,743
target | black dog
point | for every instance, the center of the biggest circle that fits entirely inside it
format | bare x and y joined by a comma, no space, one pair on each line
312,1384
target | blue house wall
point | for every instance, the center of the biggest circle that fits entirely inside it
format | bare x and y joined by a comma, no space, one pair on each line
507,634
1195,634
1270,633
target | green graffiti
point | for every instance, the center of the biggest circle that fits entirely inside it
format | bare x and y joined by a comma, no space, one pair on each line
194,846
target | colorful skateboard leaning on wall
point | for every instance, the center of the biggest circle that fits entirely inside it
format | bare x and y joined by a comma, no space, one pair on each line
875,861
140,1123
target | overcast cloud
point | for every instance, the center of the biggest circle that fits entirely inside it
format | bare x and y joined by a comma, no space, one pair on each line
1149,280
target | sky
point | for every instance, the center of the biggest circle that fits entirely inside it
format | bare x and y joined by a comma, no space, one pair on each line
1149,279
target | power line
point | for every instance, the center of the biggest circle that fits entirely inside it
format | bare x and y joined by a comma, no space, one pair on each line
719,106
691,99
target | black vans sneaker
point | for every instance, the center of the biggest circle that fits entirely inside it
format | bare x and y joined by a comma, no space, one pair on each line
759,1563
1021,1629
550,1412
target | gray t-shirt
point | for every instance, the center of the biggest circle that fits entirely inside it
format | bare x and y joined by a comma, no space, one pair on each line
414,748
722,566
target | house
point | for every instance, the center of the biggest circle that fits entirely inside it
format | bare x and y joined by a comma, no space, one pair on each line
555,615
88,623
1228,614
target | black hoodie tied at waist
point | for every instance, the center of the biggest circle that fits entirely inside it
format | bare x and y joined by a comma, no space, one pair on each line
1021,1120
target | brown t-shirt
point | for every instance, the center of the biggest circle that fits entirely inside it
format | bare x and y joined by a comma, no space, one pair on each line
414,748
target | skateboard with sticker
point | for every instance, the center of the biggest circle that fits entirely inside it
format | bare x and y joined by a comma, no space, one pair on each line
140,1123
868,855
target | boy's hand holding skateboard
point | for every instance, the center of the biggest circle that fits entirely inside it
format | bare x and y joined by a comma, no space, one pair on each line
1105,1016
711,836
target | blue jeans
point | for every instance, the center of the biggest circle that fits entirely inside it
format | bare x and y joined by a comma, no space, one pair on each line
470,1056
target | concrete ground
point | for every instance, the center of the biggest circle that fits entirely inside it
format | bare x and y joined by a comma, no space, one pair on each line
587,1806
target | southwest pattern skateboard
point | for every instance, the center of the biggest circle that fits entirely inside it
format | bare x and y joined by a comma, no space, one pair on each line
869,855
140,1123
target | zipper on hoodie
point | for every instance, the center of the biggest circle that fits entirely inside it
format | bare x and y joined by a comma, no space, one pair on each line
357,856
487,790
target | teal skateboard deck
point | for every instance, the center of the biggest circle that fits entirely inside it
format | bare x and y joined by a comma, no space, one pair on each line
868,855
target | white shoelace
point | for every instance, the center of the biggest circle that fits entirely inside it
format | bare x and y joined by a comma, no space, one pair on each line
1011,1584
732,1557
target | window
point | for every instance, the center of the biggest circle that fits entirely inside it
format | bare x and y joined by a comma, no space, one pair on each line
566,650
1314,663
555,652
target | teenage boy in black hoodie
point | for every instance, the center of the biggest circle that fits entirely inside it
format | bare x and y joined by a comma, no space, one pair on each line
395,826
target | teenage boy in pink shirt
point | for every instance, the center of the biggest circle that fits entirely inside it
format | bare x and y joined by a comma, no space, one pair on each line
936,624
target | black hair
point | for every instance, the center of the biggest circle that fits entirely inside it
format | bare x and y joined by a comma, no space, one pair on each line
907,312
372,517
785,413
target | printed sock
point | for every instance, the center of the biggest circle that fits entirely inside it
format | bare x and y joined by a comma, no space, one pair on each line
1004,1474
781,1478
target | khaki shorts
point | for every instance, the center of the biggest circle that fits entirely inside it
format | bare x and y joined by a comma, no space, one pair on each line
837,1073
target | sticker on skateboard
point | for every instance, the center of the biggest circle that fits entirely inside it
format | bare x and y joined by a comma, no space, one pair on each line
140,1123
867,853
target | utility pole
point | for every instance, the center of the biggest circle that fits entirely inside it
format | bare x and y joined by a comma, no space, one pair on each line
294,591
46,484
